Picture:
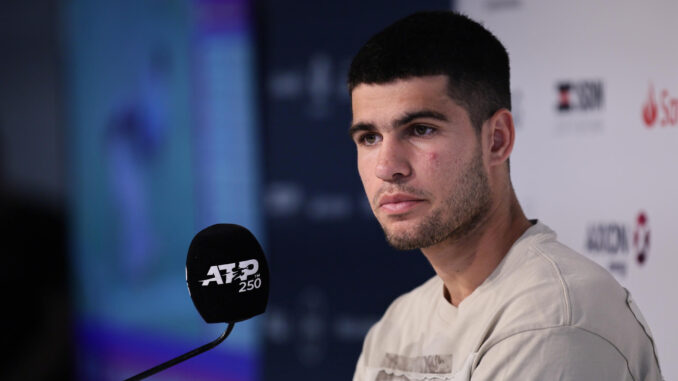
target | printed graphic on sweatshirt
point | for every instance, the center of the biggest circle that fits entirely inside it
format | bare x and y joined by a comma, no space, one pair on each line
395,367
402,368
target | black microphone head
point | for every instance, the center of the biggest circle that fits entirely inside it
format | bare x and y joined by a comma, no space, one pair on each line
227,274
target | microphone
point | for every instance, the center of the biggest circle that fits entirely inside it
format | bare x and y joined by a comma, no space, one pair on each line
228,281
227,274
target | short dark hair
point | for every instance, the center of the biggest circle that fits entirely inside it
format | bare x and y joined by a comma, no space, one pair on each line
435,43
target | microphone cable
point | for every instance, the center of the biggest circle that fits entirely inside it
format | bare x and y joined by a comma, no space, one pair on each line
183,357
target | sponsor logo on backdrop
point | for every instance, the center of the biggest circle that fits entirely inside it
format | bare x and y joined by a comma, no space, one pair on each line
291,200
660,108
579,105
641,238
619,244
319,83
580,96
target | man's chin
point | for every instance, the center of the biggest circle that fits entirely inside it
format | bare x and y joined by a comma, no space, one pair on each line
403,239
401,244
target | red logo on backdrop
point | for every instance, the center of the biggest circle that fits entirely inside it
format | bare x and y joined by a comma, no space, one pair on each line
563,96
650,109
665,111
641,238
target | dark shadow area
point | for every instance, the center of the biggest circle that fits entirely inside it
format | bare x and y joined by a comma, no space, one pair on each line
35,279
36,316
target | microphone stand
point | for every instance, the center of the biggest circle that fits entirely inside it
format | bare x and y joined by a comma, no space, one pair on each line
183,357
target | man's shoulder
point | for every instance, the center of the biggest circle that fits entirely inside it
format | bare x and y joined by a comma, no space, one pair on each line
577,282
542,284
540,271
548,287
539,259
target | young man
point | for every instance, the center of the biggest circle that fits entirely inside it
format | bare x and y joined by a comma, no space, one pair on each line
434,132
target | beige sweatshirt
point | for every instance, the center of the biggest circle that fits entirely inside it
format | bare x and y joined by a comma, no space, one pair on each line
545,313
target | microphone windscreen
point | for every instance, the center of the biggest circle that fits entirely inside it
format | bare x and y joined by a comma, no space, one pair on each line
227,274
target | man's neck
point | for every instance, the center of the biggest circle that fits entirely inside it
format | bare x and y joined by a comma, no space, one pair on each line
465,263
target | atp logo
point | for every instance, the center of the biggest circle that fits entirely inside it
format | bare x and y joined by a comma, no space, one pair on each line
231,273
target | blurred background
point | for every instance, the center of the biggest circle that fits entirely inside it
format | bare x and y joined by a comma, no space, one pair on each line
128,126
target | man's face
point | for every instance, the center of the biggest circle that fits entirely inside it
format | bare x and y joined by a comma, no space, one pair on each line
420,161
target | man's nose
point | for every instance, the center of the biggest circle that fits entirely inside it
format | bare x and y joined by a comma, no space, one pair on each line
392,162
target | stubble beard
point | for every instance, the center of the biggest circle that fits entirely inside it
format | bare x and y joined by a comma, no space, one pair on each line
461,213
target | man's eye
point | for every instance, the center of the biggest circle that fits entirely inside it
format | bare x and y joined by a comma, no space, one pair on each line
422,130
369,139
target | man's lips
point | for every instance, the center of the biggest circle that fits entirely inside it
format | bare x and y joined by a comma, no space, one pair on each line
398,203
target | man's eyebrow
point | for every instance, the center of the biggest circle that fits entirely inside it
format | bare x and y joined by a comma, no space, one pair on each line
403,120
410,116
361,127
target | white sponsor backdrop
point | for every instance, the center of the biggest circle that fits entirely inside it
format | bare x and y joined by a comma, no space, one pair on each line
595,88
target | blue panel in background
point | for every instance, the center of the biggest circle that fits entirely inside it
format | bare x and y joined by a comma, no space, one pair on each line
332,273
163,143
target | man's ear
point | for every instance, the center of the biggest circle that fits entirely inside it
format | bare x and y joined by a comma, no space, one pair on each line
501,135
